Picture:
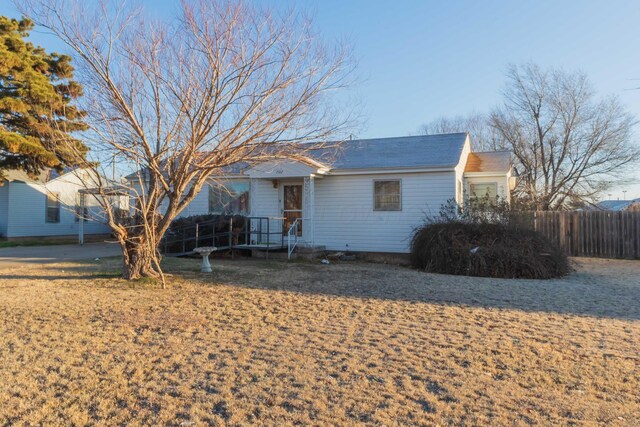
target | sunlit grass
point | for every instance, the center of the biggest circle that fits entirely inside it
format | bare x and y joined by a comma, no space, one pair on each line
276,343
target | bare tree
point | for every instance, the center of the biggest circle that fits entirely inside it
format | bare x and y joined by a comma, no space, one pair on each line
568,145
177,102
483,136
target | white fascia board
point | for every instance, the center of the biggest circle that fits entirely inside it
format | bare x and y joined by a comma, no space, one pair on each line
390,170
485,174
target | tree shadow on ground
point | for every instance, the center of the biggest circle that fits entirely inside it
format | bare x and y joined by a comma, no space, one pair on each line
597,288
612,291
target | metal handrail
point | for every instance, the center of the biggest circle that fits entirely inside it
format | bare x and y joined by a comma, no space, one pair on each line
293,230
254,228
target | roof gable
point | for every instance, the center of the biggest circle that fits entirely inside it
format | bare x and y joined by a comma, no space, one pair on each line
280,169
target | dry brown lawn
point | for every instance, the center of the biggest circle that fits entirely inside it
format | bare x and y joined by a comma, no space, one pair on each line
272,343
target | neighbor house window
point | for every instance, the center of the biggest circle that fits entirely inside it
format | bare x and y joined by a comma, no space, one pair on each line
52,213
231,197
84,213
387,195
485,193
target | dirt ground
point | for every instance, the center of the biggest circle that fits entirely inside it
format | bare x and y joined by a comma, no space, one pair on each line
275,343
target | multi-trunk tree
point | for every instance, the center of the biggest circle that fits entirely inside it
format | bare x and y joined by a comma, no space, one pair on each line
568,145
178,101
37,111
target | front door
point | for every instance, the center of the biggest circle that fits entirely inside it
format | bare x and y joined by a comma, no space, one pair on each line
292,206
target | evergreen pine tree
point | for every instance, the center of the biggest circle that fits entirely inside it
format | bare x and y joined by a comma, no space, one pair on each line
37,115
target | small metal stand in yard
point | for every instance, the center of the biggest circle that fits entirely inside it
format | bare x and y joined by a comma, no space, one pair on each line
205,252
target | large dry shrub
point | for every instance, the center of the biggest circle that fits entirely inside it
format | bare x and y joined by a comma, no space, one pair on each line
486,250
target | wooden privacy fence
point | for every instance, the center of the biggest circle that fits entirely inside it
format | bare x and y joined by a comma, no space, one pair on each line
603,234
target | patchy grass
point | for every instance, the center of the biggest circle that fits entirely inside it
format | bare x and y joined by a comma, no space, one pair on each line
272,343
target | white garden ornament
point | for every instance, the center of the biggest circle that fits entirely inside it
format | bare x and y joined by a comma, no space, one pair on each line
205,252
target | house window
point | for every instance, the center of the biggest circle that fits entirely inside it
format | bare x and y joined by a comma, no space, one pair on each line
232,197
485,193
85,212
387,195
52,212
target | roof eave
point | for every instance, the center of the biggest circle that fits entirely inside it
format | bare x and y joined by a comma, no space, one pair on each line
386,170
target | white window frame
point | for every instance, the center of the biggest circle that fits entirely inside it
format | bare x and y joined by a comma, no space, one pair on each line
56,196
214,187
473,198
399,181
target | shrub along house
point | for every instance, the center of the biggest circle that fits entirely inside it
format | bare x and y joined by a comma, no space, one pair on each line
368,195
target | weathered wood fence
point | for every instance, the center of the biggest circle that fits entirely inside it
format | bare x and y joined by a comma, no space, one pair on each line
603,234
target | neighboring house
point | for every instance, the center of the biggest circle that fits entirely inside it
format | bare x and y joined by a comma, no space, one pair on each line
47,205
369,194
619,205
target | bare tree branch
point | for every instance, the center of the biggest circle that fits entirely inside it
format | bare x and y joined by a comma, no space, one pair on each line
176,102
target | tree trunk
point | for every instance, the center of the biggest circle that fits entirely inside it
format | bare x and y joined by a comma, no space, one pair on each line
140,259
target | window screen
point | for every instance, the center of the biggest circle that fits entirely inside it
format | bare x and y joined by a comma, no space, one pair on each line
387,196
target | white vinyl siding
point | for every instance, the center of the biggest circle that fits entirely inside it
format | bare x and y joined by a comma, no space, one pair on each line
344,216
27,209
266,201
4,208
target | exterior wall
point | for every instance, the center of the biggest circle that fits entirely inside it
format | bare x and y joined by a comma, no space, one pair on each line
4,208
199,205
266,201
344,210
27,202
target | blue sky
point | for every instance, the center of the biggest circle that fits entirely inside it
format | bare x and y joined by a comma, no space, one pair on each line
419,60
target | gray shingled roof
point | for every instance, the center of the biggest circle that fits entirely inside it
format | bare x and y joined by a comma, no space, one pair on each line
420,151
616,205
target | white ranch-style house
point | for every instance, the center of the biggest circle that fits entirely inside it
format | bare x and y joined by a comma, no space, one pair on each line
48,205
367,196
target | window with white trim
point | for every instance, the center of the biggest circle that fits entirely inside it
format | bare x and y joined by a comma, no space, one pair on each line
387,195
52,209
483,193
231,197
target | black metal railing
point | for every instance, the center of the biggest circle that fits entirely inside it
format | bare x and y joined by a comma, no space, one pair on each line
225,233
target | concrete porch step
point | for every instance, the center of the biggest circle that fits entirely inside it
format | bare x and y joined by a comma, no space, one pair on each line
301,251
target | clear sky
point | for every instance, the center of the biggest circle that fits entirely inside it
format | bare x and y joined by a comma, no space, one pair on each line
420,59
